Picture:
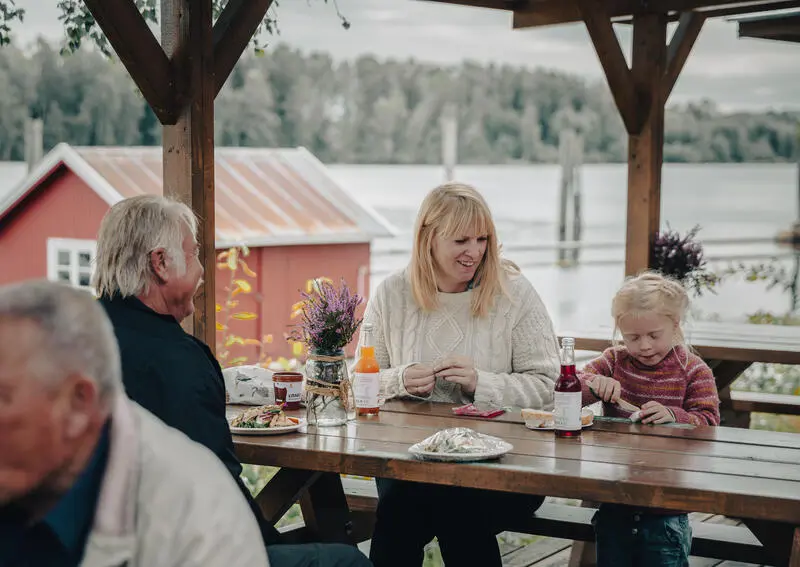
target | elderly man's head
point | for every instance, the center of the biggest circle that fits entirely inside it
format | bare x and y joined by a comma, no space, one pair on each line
59,372
147,248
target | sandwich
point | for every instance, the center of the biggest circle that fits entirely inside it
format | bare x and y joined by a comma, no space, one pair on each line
540,419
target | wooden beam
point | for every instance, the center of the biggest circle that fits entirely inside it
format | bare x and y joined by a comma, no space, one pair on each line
540,13
646,146
139,51
613,61
772,27
492,4
233,31
680,46
188,145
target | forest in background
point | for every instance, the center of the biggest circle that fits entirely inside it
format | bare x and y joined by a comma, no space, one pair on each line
372,111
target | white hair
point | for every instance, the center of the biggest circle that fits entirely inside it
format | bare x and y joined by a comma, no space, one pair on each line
130,231
78,336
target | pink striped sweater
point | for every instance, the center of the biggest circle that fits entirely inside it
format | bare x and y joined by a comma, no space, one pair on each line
682,382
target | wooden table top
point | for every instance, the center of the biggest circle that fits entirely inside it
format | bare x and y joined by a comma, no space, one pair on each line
735,472
716,341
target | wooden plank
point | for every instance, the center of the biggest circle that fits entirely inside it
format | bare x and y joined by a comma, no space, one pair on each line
765,403
746,443
646,144
613,61
714,341
188,145
282,491
586,453
233,31
325,511
737,496
140,52
539,13
535,552
680,46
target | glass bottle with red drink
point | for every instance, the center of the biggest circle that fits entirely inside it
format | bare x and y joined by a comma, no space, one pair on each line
567,396
367,376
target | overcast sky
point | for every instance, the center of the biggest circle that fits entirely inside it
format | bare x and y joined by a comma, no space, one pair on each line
735,73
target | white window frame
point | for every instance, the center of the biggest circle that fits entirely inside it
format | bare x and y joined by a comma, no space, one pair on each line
74,247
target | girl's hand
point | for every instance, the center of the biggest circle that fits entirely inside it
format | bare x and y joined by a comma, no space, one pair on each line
419,380
653,412
606,388
460,370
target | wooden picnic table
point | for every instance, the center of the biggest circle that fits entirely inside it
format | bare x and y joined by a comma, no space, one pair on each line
729,349
753,475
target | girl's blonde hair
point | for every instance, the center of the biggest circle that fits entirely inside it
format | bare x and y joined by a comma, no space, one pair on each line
651,292
452,210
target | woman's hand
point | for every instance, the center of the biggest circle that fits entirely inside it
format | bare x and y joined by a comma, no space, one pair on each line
419,380
459,370
605,388
653,412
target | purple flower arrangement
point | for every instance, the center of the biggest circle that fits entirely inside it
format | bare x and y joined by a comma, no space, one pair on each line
681,258
327,314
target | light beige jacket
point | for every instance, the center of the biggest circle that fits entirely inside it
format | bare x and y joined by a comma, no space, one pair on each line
166,501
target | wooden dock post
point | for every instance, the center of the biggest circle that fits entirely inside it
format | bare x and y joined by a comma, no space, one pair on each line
449,124
569,219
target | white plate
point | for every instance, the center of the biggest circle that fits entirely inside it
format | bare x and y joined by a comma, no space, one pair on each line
268,430
461,457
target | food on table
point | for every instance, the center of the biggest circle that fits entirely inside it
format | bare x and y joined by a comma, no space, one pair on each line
460,440
263,417
540,419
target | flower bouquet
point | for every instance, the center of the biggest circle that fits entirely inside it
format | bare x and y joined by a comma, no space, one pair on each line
328,323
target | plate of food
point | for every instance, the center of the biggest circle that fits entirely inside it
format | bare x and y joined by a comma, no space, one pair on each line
265,420
543,420
460,444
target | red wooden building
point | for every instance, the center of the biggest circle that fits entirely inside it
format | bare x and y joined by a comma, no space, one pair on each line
281,203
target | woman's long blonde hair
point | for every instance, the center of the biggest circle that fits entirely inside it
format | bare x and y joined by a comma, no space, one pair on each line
650,292
455,209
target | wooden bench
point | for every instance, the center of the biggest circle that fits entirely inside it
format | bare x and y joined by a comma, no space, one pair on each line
765,403
710,540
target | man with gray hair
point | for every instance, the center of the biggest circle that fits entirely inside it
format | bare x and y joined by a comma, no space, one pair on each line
147,273
88,477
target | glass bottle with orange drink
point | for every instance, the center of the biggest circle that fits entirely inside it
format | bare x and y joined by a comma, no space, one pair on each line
367,376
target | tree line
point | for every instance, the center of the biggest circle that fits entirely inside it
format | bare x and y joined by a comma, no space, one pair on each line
371,111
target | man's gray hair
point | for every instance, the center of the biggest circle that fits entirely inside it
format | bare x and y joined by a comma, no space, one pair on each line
78,336
130,231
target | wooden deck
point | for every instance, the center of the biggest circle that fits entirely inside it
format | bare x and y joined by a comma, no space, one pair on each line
554,552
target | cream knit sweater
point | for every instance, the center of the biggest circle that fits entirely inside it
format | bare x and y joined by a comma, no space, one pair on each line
514,348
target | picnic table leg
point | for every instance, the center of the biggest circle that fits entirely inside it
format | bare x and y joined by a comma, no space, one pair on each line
775,537
283,490
794,559
725,373
325,510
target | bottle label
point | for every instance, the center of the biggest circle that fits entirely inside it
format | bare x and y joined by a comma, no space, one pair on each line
366,389
567,410
293,390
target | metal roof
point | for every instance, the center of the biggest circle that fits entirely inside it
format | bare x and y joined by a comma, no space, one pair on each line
264,196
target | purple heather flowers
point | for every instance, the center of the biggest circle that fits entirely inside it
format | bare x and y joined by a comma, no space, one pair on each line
327,316
681,258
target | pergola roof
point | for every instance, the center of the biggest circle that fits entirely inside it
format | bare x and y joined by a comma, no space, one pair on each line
537,13
779,27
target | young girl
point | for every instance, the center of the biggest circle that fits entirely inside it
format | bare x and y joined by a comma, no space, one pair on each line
654,370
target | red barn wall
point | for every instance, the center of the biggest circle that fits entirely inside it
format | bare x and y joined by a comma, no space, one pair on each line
282,272
63,207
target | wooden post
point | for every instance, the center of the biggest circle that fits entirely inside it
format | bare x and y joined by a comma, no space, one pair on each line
646,146
187,39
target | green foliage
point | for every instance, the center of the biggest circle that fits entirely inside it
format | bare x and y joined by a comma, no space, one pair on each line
370,111
79,24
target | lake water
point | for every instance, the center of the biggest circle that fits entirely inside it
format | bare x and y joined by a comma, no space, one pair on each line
740,208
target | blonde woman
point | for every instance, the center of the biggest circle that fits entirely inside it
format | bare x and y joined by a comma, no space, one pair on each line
459,324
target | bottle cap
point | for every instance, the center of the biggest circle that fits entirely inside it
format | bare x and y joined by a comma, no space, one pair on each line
567,341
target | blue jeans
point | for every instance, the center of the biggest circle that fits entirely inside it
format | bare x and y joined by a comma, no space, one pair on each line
627,537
